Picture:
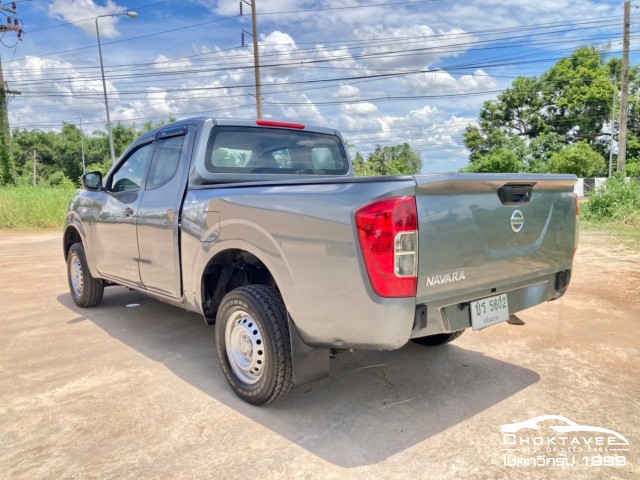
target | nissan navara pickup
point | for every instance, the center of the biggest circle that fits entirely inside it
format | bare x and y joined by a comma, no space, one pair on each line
262,228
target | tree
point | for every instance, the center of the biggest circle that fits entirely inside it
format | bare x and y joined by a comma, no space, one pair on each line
569,103
360,166
579,159
577,92
498,160
7,171
518,110
60,155
390,160
540,150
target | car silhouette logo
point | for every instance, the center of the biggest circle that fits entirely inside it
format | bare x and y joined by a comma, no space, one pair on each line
568,427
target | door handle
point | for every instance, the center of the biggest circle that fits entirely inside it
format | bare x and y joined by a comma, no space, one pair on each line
127,212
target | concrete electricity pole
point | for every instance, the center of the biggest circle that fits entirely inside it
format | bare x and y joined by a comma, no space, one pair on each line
613,121
15,25
624,94
5,130
256,54
35,158
7,169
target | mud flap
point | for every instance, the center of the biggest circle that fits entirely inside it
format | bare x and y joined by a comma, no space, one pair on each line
309,363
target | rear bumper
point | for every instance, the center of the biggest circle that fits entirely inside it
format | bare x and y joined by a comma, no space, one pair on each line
452,314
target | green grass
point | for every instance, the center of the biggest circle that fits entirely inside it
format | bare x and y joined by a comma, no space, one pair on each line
27,208
629,234
615,209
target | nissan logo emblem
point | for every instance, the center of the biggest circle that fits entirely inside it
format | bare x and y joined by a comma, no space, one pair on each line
516,221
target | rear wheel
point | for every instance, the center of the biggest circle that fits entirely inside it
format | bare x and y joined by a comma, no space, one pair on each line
86,291
252,340
438,339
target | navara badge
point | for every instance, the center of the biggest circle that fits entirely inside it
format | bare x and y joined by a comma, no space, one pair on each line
516,221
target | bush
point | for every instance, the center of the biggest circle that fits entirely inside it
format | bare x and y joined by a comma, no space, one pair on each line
579,159
618,200
500,160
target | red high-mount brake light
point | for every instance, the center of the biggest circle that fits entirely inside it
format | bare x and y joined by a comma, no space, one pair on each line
271,123
388,234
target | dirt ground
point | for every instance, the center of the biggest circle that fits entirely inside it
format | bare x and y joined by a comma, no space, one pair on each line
126,391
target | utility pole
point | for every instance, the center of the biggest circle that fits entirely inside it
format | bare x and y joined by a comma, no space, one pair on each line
613,116
84,165
12,25
624,94
5,131
256,54
35,156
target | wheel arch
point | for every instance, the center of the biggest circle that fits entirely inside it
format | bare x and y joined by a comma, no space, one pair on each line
71,235
230,269
236,267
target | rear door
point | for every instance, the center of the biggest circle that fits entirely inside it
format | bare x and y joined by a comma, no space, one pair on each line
479,232
158,219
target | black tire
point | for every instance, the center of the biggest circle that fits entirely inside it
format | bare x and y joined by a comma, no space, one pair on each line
438,339
252,340
86,291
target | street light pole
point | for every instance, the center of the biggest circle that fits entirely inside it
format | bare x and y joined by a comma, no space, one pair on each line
132,15
84,166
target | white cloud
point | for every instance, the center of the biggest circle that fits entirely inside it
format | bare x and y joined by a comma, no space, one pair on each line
360,108
43,100
412,47
338,57
164,64
76,10
307,112
346,91
228,8
279,43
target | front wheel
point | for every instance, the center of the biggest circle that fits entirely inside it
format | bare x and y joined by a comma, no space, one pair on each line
438,339
252,340
86,291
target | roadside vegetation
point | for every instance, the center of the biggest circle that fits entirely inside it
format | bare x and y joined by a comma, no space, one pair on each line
615,208
28,208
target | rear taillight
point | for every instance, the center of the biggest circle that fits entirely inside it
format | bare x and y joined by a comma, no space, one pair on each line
388,234
575,242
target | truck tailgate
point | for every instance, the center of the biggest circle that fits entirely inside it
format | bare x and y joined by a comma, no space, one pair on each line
475,237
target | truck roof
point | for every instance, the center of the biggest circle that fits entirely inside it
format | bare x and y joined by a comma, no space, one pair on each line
201,121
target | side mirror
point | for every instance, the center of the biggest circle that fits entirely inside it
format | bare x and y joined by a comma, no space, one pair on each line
92,181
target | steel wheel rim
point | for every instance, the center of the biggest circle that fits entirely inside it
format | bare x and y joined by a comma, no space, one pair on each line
245,347
75,275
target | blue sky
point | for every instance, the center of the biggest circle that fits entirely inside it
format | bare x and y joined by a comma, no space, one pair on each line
382,72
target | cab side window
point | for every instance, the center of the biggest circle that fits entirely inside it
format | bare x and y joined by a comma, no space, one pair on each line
130,174
166,159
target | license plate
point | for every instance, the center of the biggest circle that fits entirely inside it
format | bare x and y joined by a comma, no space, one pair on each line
489,311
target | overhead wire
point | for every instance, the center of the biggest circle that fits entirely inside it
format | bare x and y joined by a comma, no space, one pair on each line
373,43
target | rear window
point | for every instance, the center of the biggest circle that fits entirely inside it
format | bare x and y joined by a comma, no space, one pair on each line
274,151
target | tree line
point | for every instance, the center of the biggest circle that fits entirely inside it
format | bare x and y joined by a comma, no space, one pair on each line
560,122
58,155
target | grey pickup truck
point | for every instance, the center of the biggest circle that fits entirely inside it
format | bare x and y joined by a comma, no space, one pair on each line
262,228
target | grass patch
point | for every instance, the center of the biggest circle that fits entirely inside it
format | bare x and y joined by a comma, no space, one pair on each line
28,208
615,208
628,234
